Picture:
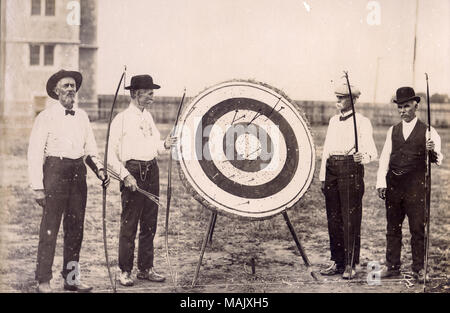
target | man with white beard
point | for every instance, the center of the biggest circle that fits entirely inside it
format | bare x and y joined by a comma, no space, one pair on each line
60,141
342,177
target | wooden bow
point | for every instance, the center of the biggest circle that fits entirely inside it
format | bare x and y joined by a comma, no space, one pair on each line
169,189
353,110
348,190
427,189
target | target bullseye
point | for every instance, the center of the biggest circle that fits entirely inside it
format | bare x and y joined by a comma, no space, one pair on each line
248,147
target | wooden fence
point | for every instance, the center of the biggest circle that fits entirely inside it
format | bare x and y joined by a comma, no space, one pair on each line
164,110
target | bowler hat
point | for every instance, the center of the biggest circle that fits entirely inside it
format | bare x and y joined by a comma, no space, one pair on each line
342,90
405,94
55,78
142,82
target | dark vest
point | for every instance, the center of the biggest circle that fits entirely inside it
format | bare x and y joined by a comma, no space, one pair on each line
408,155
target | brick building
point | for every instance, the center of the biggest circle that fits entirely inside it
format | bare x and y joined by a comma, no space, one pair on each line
38,38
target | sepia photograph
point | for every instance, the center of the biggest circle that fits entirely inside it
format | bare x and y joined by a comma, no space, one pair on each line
198,147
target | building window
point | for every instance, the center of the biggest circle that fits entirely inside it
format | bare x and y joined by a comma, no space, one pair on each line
35,54
50,7
35,7
48,58
49,55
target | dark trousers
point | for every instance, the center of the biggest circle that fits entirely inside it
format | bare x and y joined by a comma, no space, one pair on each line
344,190
65,195
405,196
138,209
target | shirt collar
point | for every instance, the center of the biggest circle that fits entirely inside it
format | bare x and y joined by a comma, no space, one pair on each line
410,124
135,110
58,107
346,113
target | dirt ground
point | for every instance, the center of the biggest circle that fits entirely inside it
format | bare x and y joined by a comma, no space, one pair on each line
225,268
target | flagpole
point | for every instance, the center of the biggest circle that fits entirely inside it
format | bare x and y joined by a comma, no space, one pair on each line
376,81
415,46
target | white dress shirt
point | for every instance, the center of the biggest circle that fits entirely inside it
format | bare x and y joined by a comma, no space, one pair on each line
133,136
387,149
56,134
340,139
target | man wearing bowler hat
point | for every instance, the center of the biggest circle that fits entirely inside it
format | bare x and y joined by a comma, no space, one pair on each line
134,145
342,177
60,140
401,182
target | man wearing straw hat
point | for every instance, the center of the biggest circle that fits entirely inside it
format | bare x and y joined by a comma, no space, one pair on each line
342,177
134,145
401,182
60,139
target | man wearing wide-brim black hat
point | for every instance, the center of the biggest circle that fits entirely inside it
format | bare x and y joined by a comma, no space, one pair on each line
60,140
134,146
401,182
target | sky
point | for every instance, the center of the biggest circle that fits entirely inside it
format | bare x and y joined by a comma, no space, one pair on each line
300,47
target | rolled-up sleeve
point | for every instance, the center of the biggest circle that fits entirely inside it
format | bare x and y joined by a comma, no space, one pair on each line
90,147
368,147
437,145
383,165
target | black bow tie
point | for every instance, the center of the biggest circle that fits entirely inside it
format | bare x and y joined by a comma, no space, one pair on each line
71,112
343,118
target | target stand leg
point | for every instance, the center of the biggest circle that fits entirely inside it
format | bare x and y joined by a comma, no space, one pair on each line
299,246
205,241
212,230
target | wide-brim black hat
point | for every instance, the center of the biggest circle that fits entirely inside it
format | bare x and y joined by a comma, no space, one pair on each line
142,82
55,78
405,94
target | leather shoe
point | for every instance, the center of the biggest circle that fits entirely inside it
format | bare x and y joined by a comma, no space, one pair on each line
125,279
387,272
150,275
420,276
76,286
349,272
44,288
334,269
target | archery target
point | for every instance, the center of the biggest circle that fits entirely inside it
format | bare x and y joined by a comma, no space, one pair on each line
245,149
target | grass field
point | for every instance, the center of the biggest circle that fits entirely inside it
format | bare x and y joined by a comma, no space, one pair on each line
279,267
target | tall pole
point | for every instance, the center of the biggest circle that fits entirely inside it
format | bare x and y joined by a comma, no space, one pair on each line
376,81
415,46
